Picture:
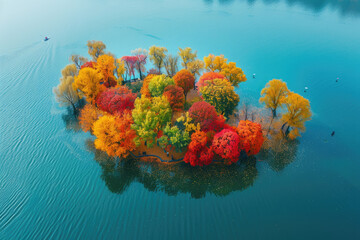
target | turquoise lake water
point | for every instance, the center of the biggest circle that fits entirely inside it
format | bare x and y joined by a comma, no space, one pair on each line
53,185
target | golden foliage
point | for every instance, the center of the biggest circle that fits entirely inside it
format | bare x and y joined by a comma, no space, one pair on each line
106,65
78,60
195,67
88,83
65,94
187,56
171,65
69,70
157,56
120,70
88,115
96,48
298,112
214,63
114,134
274,95
145,87
234,74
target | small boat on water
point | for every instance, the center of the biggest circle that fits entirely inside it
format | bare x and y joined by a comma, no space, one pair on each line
46,38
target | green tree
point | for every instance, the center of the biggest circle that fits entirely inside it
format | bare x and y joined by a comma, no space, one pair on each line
158,84
175,137
157,56
220,93
150,115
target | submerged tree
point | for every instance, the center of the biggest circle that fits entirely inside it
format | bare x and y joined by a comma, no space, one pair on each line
157,56
69,70
274,95
298,112
96,48
65,94
88,115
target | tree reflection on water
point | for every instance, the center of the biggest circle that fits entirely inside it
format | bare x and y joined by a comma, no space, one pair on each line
217,179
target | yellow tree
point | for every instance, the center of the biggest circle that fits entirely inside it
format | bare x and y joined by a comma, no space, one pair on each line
234,74
106,65
214,63
298,112
78,60
114,134
187,56
69,70
274,95
96,48
221,95
65,94
157,56
88,83
195,67
120,70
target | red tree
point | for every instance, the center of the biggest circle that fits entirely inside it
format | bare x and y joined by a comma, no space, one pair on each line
185,80
116,100
130,64
153,71
88,64
226,145
251,137
175,96
205,114
140,64
199,153
208,76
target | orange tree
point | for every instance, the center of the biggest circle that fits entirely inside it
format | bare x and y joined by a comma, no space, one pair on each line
251,137
185,80
199,151
175,96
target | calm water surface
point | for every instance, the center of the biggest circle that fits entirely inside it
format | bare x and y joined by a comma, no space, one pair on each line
54,185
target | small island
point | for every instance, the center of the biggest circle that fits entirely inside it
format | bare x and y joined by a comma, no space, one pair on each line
171,115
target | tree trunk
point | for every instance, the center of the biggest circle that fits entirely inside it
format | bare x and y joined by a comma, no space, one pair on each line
73,106
273,113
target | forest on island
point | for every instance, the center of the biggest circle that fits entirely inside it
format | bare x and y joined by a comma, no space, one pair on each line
182,109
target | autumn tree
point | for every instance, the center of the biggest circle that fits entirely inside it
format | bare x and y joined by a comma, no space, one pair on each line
274,95
185,80
221,95
195,67
251,137
158,83
130,64
96,48
157,56
150,115
120,70
234,74
226,145
88,115
88,83
175,96
199,152
69,70
114,134
214,63
141,55
206,115
89,65
145,87
116,100
106,65
171,64
187,56
298,112
174,137
78,60
208,77
65,94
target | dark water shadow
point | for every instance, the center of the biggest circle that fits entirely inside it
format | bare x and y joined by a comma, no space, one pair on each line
344,7
70,118
173,179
